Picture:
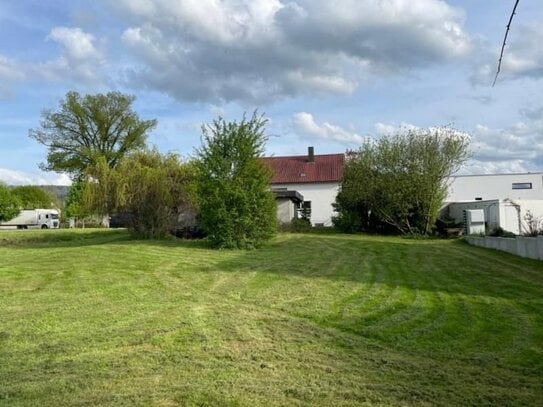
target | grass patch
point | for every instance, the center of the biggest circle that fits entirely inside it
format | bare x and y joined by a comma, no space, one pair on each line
95,318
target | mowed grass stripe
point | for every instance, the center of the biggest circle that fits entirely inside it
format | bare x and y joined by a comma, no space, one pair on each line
93,317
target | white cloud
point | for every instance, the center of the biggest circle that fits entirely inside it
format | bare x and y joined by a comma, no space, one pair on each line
494,167
517,148
12,177
223,22
320,83
79,60
254,50
9,69
305,124
77,44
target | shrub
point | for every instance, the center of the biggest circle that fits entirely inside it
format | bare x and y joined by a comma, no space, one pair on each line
237,210
500,232
300,225
399,181
534,225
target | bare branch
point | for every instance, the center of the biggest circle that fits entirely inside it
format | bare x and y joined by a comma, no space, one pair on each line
504,41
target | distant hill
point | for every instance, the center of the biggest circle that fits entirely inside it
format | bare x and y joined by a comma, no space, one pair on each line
58,191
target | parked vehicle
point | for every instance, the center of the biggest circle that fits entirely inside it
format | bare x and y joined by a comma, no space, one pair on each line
34,219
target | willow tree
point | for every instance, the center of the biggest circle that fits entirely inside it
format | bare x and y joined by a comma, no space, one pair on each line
400,181
153,190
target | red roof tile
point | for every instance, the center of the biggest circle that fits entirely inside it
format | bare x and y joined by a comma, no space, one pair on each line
296,169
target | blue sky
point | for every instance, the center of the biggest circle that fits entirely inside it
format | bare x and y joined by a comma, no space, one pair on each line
325,73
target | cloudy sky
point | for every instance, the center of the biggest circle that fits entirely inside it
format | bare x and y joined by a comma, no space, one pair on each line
326,73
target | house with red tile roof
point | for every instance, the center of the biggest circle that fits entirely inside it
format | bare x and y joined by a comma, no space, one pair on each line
315,179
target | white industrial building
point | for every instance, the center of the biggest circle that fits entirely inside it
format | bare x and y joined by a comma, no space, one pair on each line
505,199
467,188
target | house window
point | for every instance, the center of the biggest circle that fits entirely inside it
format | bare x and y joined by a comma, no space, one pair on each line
522,185
305,210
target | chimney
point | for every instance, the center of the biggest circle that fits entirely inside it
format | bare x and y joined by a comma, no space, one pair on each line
310,154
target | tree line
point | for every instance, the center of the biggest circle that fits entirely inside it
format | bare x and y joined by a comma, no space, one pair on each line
12,200
101,142
395,182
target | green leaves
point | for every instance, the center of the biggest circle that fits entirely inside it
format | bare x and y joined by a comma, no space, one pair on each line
399,181
237,210
33,197
9,204
87,128
152,188
75,207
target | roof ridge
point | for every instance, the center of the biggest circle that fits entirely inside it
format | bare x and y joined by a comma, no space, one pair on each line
304,155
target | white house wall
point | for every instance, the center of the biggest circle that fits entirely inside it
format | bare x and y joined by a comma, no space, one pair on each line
322,195
285,210
499,186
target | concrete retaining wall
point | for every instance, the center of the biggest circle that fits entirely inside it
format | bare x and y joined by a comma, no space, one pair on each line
531,247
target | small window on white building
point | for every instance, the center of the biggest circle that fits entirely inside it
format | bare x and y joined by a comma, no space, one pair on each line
522,185
305,210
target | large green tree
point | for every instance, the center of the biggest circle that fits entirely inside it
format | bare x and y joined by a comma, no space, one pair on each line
399,182
9,204
237,210
33,197
87,128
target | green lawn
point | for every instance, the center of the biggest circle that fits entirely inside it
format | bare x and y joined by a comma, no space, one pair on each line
94,318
